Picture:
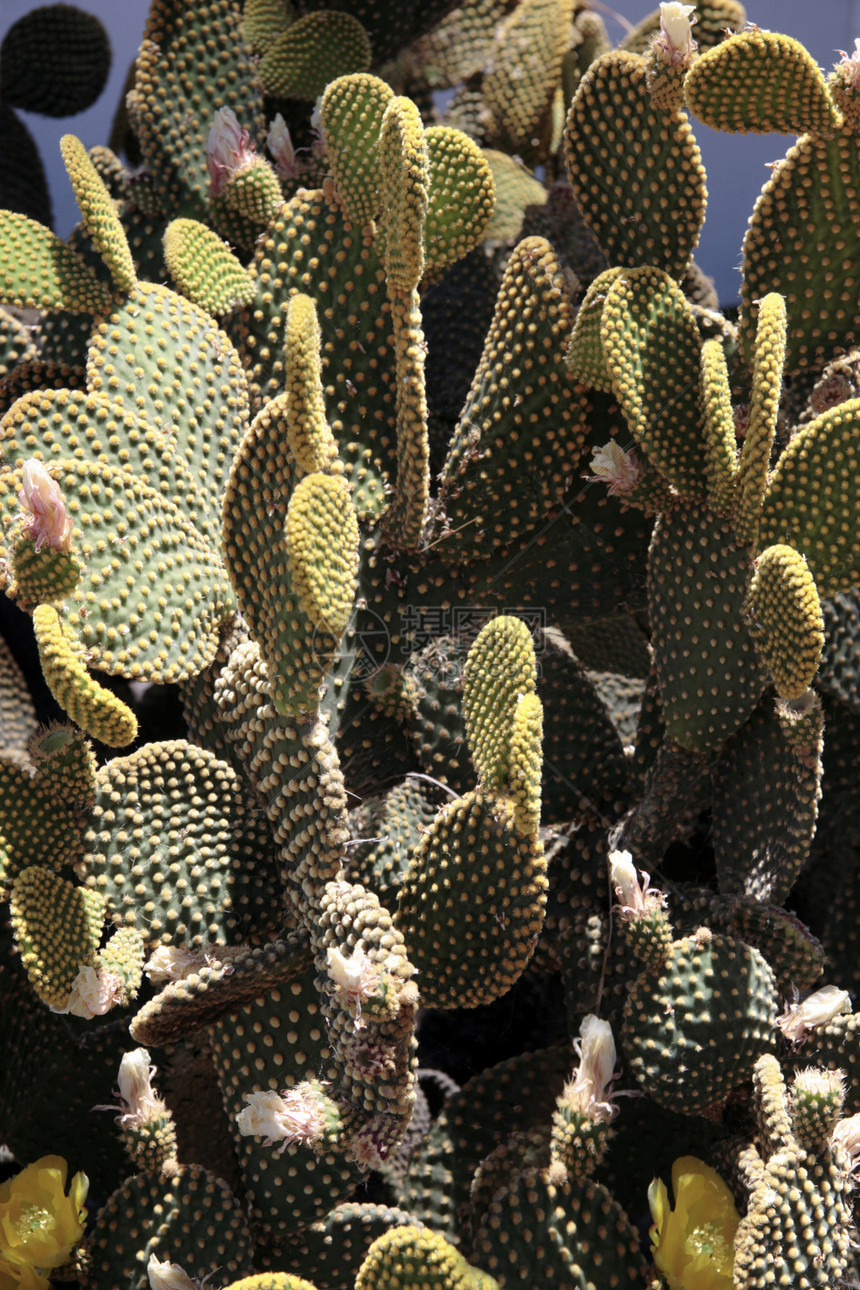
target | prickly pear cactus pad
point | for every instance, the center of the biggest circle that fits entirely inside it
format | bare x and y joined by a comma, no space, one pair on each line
429,656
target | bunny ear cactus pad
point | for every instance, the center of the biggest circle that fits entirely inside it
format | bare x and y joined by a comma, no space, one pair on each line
709,674
312,52
461,199
635,170
754,460
652,349
535,427
761,82
352,111
191,63
786,621
413,1258
55,60
812,501
585,357
38,270
694,1027
204,268
500,667
57,928
721,452
98,213
405,183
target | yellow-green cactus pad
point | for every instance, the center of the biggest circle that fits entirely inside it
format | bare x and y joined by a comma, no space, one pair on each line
191,62
721,452
472,904
785,619
35,827
249,201
526,763
153,594
812,501
165,359
204,268
413,1258
176,852
190,1218
405,181
95,709
764,406
351,112
271,1281
761,82
98,213
462,197
643,196
308,433
525,71
313,51
123,957
57,929
38,271
652,348
500,667
709,674
406,516
532,427
263,21
585,358
515,188
65,766
322,551
42,576
805,227
17,714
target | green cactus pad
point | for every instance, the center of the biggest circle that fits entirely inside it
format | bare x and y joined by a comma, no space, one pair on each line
55,60
461,200
405,184
313,51
165,359
721,453
694,1029
263,21
645,200
38,271
472,904
57,929
191,63
395,824
43,576
99,214
275,1043
811,200
515,188
250,200
406,517
536,1232
766,789
95,709
761,428
500,667
412,1258
16,343
652,350
525,71
536,430
813,506
761,82
191,1219
585,358
35,828
796,957
352,111
321,535
175,851
708,671
785,618
204,268
17,714
332,1250
65,766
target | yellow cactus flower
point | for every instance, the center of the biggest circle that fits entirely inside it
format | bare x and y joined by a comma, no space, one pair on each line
39,1224
694,1242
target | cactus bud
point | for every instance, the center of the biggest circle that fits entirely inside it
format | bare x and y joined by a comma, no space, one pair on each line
228,149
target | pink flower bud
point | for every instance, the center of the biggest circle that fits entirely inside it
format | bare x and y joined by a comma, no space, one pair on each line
228,149
47,521
280,145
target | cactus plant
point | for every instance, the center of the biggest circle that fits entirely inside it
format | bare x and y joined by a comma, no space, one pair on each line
432,660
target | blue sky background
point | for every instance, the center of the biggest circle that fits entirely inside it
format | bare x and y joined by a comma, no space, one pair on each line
735,164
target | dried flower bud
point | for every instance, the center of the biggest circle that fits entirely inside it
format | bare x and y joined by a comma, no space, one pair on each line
168,1276
280,145
140,1104
675,45
172,963
94,992
634,898
228,149
302,1115
847,1136
849,66
615,467
816,1010
586,1092
355,979
47,521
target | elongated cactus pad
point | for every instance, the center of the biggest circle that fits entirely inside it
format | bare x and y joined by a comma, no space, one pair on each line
57,928
99,213
38,271
785,619
204,269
